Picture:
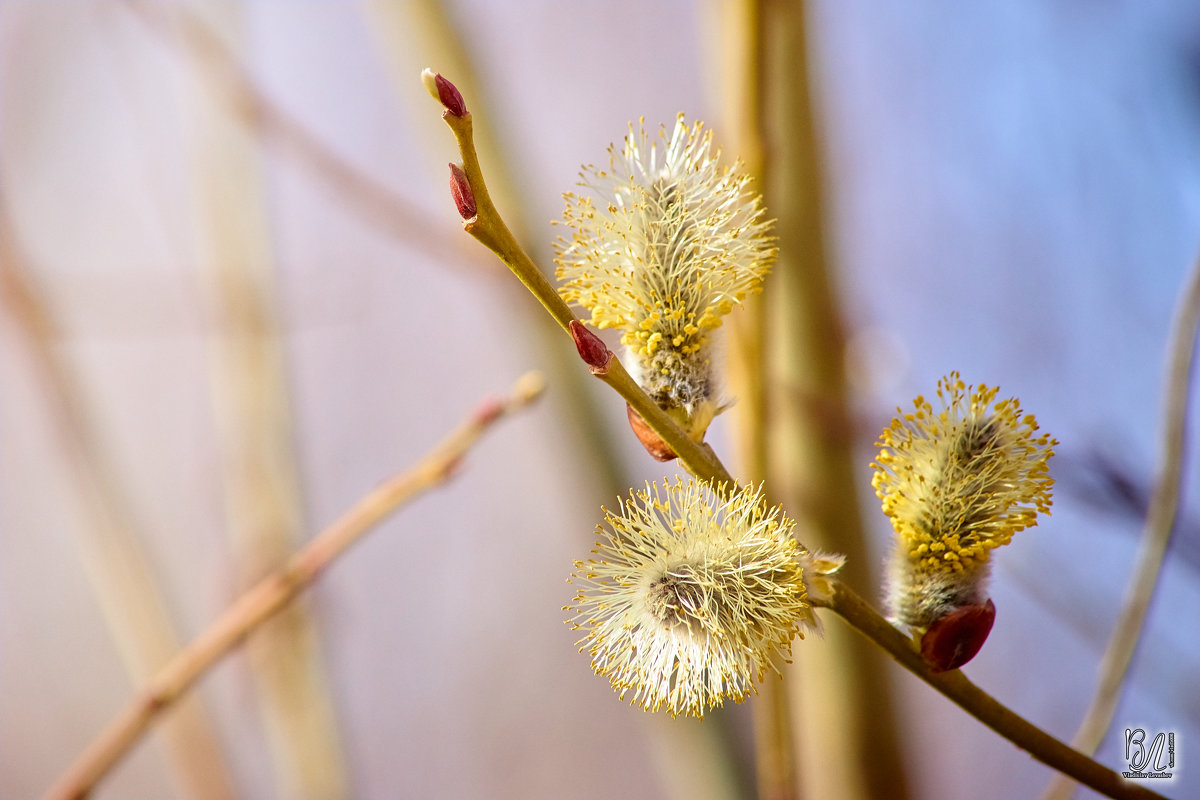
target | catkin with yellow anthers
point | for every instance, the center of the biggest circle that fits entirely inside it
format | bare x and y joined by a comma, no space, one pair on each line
667,247
957,483
693,596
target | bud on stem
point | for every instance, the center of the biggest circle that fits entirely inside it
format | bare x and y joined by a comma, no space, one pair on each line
591,348
654,444
460,188
444,92
955,638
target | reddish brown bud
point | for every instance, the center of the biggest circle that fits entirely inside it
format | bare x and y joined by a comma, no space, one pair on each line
655,446
460,188
955,638
591,349
489,411
449,96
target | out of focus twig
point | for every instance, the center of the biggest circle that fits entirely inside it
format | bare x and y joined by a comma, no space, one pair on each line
111,548
743,69
375,202
251,394
274,592
1156,535
803,439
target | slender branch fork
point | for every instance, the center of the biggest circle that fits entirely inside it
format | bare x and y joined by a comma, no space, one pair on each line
274,592
483,221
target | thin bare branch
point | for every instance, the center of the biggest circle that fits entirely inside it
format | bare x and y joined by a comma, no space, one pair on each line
1156,535
254,421
379,205
112,551
275,591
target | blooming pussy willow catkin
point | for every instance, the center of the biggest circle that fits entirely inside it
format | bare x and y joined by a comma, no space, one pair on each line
668,245
957,482
691,596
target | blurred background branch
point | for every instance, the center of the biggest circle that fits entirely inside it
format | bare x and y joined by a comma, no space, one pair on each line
1156,537
800,389
250,390
274,594
111,549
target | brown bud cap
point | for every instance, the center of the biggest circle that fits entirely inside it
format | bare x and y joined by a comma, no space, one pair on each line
591,349
954,638
460,188
655,446
446,92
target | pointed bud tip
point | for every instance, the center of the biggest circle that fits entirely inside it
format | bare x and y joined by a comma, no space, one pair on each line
444,92
460,190
655,446
956,637
429,81
591,348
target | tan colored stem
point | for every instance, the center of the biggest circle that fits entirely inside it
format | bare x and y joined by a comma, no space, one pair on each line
774,741
740,50
811,463
274,592
979,704
420,32
1156,535
741,66
252,405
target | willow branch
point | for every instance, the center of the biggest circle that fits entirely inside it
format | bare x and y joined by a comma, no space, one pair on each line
1156,534
488,227
483,221
960,690
274,592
